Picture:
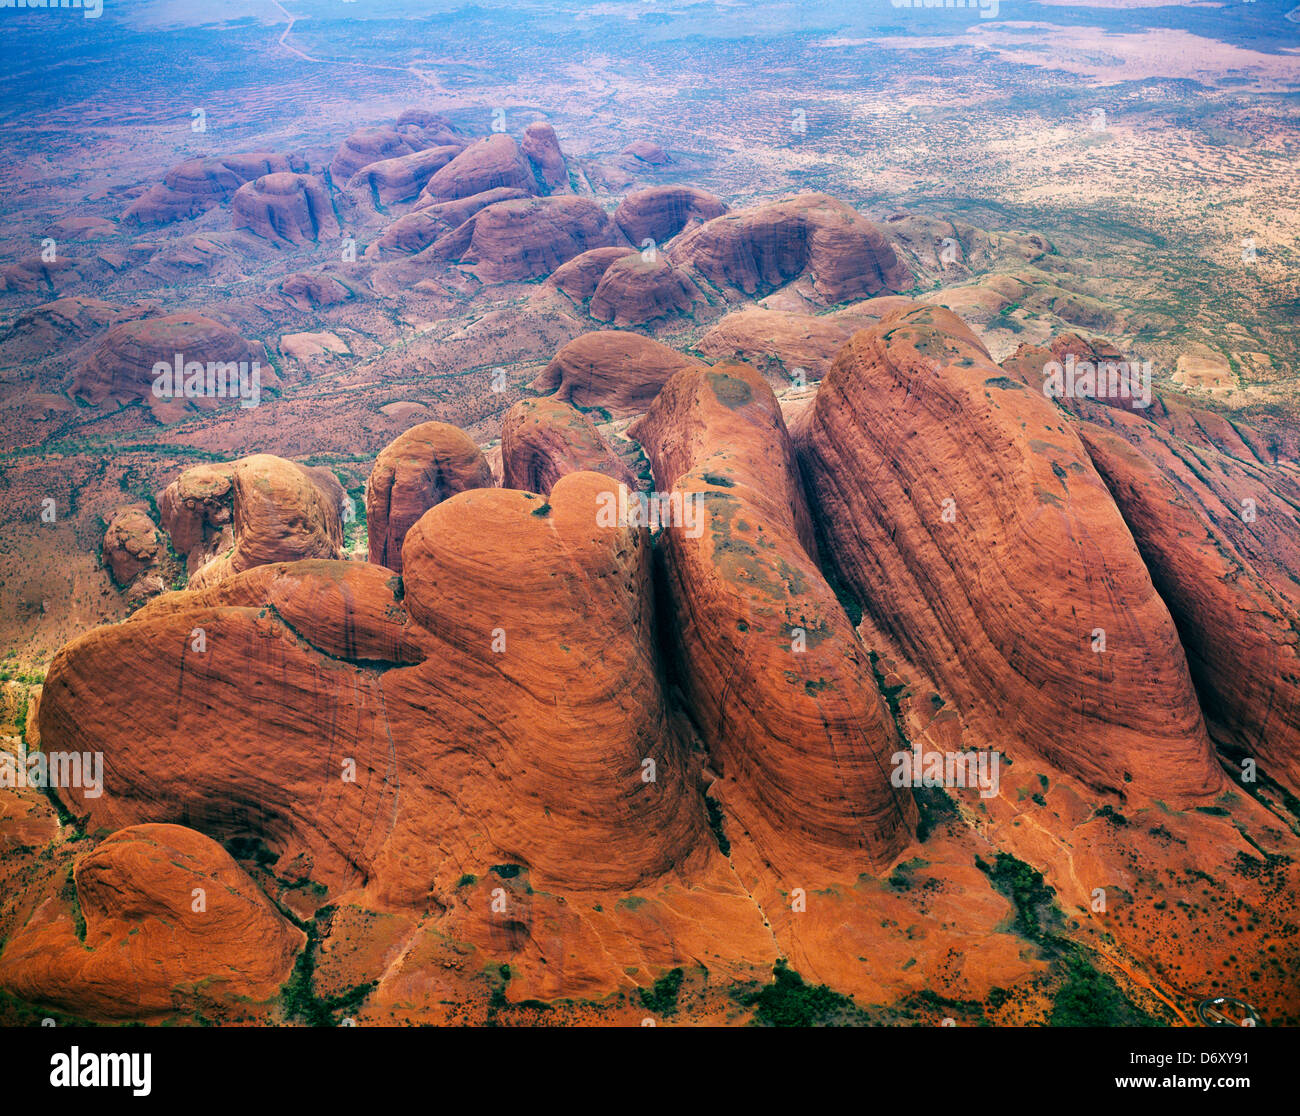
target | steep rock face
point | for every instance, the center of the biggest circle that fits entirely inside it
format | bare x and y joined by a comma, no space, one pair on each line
634,290
513,681
489,164
1231,585
661,212
374,145
170,921
399,178
579,277
621,372
542,148
1220,533
419,469
527,238
762,247
292,208
261,509
121,367
197,185
545,439
544,616
781,690
413,232
967,521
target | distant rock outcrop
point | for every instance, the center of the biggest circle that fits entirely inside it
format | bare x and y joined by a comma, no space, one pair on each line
292,208
661,212
489,164
642,288
65,322
579,277
542,147
309,290
419,469
413,232
527,238
398,179
121,367
621,372
197,185
543,440
647,151
373,145
762,247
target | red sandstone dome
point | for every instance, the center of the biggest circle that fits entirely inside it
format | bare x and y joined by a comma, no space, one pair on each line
635,290
197,185
527,238
121,369
291,208
765,246
621,372
418,470
661,212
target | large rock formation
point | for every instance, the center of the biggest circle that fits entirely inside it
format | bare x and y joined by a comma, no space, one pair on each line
261,509
621,372
781,689
170,922
647,151
579,277
765,246
413,232
786,340
374,145
291,208
988,558
542,147
120,369
489,164
65,323
400,178
197,185
132,551
1220,533
509,675
642,288
661,212
419,469
308,290
527,238
543,440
